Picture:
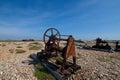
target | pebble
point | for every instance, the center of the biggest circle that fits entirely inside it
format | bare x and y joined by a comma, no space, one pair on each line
15,67
15,70
1,73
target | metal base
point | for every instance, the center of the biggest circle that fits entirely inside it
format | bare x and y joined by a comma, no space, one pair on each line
55,70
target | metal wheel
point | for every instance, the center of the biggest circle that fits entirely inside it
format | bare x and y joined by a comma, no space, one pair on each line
51,32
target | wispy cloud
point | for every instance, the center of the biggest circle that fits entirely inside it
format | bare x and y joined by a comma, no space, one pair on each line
21,22
87,3
23,17
32,19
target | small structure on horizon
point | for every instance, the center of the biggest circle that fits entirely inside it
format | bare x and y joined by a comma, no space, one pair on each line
102,44
28,40
117,47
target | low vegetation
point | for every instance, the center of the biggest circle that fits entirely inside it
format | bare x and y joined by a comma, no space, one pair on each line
19,46
108,58
79,55
3,44
34,47
20,51
34,43
115,57
103,59
11,50
41,73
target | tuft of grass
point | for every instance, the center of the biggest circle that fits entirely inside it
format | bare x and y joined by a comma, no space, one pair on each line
59,61
11,50
20,51
103,59
41,73
34,43
115,57
79,55
19,46
35,48
3,45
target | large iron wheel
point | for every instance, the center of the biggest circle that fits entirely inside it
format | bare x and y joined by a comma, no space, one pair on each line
51,32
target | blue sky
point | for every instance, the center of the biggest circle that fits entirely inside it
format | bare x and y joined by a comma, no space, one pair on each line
84,19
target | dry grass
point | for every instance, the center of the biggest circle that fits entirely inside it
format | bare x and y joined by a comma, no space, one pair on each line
41,73
3,44
19,46
103,59
20,51
35,48
11,50
115,57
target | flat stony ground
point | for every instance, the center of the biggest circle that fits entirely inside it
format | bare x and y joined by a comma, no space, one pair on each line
98,65
95,65
11,63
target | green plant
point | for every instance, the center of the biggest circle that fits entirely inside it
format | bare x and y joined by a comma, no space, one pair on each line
19,46
103,59
34,47
59,60
3,45
34,43
42,73
11,50
115,57
20,51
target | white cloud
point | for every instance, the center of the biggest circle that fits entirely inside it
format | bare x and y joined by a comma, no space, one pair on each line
87,3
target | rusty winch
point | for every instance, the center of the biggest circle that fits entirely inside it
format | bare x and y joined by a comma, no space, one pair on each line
52,38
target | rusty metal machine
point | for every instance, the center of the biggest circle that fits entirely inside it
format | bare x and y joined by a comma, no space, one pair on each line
52,38
101,44
117,47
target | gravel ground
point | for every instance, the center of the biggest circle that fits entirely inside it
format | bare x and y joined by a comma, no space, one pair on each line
94,69
16,66
11,64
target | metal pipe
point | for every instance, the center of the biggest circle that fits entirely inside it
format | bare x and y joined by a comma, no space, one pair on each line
65,35
74,40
